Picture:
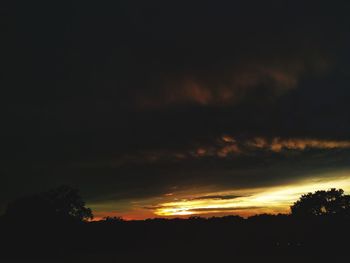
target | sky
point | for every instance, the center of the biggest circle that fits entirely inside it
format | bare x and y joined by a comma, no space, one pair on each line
175,108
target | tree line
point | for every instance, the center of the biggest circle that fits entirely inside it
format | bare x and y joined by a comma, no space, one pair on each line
65,204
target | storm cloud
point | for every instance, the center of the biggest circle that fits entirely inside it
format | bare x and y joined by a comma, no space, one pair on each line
136,99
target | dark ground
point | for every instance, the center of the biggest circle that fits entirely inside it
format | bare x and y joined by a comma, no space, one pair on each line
231,239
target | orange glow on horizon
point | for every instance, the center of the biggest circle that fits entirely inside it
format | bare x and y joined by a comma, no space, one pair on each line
210,201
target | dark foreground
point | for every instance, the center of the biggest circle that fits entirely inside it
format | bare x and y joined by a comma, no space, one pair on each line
230,239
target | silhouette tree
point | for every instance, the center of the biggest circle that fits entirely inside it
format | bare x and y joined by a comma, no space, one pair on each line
319,203
62,204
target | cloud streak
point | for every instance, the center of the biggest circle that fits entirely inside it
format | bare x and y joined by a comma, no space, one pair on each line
275,199
216,197
228,146
225,147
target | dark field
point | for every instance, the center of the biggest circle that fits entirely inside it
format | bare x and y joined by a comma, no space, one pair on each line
229,239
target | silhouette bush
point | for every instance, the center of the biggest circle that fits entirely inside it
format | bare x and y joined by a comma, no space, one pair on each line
322,203
113,219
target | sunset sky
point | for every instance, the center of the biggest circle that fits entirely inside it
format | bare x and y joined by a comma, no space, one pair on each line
175,108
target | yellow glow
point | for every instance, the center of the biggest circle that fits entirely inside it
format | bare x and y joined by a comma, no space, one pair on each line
259,200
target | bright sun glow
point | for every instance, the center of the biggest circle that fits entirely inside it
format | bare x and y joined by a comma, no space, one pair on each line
262,200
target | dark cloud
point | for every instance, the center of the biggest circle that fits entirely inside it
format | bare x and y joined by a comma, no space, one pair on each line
224,209
131,98
216,197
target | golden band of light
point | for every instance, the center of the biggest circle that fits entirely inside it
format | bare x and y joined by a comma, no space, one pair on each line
268,200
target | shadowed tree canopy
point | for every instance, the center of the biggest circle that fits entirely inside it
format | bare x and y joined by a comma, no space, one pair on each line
62,204
331,202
